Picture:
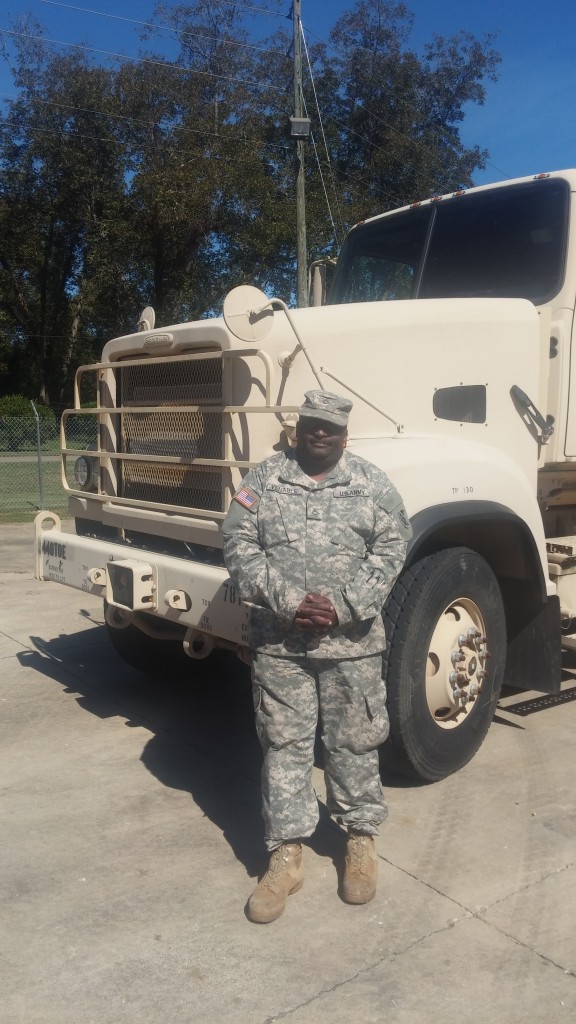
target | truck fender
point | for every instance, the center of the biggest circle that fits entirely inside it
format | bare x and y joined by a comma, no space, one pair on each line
505,541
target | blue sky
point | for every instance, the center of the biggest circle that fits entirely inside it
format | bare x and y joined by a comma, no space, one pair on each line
527,122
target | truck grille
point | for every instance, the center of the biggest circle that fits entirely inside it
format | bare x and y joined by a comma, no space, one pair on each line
169,433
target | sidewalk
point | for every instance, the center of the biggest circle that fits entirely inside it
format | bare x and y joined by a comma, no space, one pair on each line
131,839
16,547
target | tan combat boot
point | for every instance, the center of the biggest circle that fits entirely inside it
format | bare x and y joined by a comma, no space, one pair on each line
285,875
360,869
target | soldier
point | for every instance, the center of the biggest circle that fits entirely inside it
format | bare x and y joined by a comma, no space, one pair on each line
314,540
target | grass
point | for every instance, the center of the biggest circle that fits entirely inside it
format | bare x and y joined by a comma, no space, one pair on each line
19,484
20,492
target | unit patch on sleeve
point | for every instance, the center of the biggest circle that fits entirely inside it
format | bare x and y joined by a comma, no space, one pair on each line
247,497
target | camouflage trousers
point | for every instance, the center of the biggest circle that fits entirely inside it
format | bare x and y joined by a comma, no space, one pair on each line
348,698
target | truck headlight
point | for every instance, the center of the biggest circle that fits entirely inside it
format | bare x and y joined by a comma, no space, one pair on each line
84,473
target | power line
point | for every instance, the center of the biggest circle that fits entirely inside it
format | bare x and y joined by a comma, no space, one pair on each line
146,124
22,336
325,147
95,138
257,84
441,135
139,60
246,7
354,179
155,27
235,4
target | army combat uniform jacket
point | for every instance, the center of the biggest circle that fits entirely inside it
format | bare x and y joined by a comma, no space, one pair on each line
344,537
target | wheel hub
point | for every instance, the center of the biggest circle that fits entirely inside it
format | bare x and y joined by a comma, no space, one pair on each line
456,665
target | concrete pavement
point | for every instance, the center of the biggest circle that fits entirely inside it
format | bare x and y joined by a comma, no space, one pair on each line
130,841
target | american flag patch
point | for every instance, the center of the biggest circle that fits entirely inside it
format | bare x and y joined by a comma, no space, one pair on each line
246,497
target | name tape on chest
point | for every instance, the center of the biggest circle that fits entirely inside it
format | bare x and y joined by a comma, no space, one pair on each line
283,489
352,492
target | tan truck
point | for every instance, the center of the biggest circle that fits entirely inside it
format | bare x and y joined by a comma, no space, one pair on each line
450,324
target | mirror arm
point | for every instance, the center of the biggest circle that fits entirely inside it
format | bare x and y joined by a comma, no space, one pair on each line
287,362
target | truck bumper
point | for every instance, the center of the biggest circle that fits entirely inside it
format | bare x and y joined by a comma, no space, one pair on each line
199,597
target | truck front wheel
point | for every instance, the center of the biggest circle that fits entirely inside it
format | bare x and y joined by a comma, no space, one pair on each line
444,663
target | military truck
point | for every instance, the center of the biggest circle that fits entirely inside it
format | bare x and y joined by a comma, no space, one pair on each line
450,325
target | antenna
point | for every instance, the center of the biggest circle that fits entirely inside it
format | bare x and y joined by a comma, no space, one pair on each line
300,136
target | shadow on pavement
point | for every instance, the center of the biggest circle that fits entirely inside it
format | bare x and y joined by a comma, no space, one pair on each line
203,737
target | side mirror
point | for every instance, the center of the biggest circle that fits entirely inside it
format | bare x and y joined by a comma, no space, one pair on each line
319,281
248,313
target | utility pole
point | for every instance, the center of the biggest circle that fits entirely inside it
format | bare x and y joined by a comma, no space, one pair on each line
300,132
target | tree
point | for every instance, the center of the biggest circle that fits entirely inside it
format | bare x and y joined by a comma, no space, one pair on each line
395,115
169,182
60,195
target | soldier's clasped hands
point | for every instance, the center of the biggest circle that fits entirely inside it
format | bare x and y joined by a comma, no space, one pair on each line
316,613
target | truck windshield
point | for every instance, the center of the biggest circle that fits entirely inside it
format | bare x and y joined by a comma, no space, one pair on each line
508,242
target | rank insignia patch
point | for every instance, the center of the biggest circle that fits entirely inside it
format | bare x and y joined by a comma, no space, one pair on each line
246,497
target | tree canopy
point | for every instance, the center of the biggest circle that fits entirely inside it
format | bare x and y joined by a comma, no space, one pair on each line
169,182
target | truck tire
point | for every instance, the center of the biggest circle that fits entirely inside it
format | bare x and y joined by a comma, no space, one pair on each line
446,635
155,658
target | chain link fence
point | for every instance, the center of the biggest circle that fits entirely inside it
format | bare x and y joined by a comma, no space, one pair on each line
30,465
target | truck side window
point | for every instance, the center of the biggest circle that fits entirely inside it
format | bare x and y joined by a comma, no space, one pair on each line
379,261
465,403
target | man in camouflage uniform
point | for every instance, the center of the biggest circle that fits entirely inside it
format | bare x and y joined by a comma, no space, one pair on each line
314,540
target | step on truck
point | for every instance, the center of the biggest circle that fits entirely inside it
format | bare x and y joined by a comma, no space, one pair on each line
450,323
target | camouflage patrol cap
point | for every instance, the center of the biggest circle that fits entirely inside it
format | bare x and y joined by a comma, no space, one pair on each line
324,405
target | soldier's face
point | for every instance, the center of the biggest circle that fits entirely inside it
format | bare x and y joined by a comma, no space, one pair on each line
319,443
